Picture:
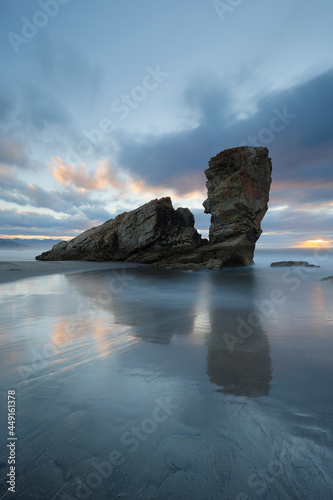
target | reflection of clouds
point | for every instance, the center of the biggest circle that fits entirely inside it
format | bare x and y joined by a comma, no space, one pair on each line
201,320
318,299
151,305
320,303
7,356
103,338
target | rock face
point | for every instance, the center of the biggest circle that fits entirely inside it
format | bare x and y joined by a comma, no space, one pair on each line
238,183
148,234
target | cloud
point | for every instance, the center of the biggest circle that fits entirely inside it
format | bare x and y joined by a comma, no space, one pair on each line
104,177
67,200
295,124
7,101
301,191
108,177
41,109
208,100
12,152
65,69
202,220
312,220
35,223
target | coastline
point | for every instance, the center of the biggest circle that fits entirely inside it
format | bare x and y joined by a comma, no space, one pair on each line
18,270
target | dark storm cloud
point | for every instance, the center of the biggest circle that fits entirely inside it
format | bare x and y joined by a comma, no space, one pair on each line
312,103
210,102
295,124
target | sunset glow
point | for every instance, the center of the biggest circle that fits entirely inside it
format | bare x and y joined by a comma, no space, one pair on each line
314,244
34,237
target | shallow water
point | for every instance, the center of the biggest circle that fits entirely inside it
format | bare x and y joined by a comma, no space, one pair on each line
21,255
156,384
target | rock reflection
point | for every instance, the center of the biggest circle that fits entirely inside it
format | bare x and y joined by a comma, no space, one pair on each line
211,308
150,302
238,360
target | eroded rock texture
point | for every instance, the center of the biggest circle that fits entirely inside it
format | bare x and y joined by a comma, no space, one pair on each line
238,183
151,233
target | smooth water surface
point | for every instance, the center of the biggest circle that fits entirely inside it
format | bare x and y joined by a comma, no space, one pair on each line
21,255
157,384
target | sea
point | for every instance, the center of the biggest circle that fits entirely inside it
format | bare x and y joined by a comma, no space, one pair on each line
159,384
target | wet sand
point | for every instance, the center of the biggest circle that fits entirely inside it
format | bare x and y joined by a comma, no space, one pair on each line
14,270
149,384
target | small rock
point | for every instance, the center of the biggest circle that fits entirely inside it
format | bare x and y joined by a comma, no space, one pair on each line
292,263
328,278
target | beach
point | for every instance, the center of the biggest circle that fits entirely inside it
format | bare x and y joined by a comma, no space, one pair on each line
141,383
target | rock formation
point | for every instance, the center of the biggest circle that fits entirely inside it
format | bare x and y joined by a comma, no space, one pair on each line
238,186
148,234
238,190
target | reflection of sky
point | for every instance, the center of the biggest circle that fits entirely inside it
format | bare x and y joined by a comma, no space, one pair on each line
96,367
99,325
80,318
75,74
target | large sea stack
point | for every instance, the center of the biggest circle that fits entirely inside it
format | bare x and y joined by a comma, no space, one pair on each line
238,191
238,186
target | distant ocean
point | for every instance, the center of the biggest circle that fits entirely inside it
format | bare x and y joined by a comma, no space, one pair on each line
21,255
156,384
321,257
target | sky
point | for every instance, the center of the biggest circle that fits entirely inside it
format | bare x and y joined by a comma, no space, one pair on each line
105,105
